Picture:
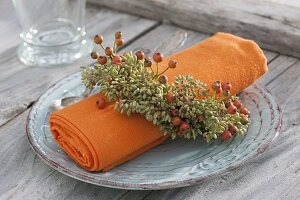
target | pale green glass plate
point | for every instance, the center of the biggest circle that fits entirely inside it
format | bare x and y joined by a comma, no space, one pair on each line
172,164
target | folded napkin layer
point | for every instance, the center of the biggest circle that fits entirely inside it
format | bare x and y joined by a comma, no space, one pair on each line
223,57
100,139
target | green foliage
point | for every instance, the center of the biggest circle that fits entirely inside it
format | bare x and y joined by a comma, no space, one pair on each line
136,89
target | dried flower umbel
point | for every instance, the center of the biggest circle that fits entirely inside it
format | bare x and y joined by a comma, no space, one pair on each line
184,108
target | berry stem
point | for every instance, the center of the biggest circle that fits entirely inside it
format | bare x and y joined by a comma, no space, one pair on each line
156,69
164,71
114,48
152,69
214,94
102,46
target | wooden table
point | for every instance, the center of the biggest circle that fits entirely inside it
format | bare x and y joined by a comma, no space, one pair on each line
273,175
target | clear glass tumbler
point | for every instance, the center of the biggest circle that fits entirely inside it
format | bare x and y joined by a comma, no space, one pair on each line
53,31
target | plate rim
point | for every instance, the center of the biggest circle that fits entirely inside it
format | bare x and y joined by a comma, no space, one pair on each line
145,186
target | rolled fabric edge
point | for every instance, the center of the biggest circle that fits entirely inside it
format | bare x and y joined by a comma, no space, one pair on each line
76,145
73,142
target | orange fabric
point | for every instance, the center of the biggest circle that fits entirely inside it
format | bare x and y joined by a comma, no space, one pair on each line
100,139
223,57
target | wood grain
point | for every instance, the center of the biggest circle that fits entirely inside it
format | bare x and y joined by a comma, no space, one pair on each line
275,26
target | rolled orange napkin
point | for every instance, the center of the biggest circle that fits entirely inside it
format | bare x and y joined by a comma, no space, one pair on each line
99,140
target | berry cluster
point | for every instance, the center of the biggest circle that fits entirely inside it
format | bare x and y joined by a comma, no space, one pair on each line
185,108
233,107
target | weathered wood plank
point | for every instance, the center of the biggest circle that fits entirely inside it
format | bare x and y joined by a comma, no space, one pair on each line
167,39
166,34
135,194
293,3
271,56
21,85
276,29
278,67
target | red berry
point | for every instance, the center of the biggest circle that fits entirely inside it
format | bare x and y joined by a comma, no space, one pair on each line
170,97
163,79
108,51
226,135
219,90
227,104
226,86
244,120
172,63
216,85
118,34
232,129
117,60
100,103
119,42
98,39
244,111
184,127
226,93
232,109
176,121
102,60
158,57
147,63
140,55
237,103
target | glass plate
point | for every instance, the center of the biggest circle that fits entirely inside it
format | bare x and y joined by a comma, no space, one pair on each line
172,164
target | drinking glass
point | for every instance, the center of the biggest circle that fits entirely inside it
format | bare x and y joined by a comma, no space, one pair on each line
53,31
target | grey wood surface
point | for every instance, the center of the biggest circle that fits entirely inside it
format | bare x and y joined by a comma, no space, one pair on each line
273,175
274,24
